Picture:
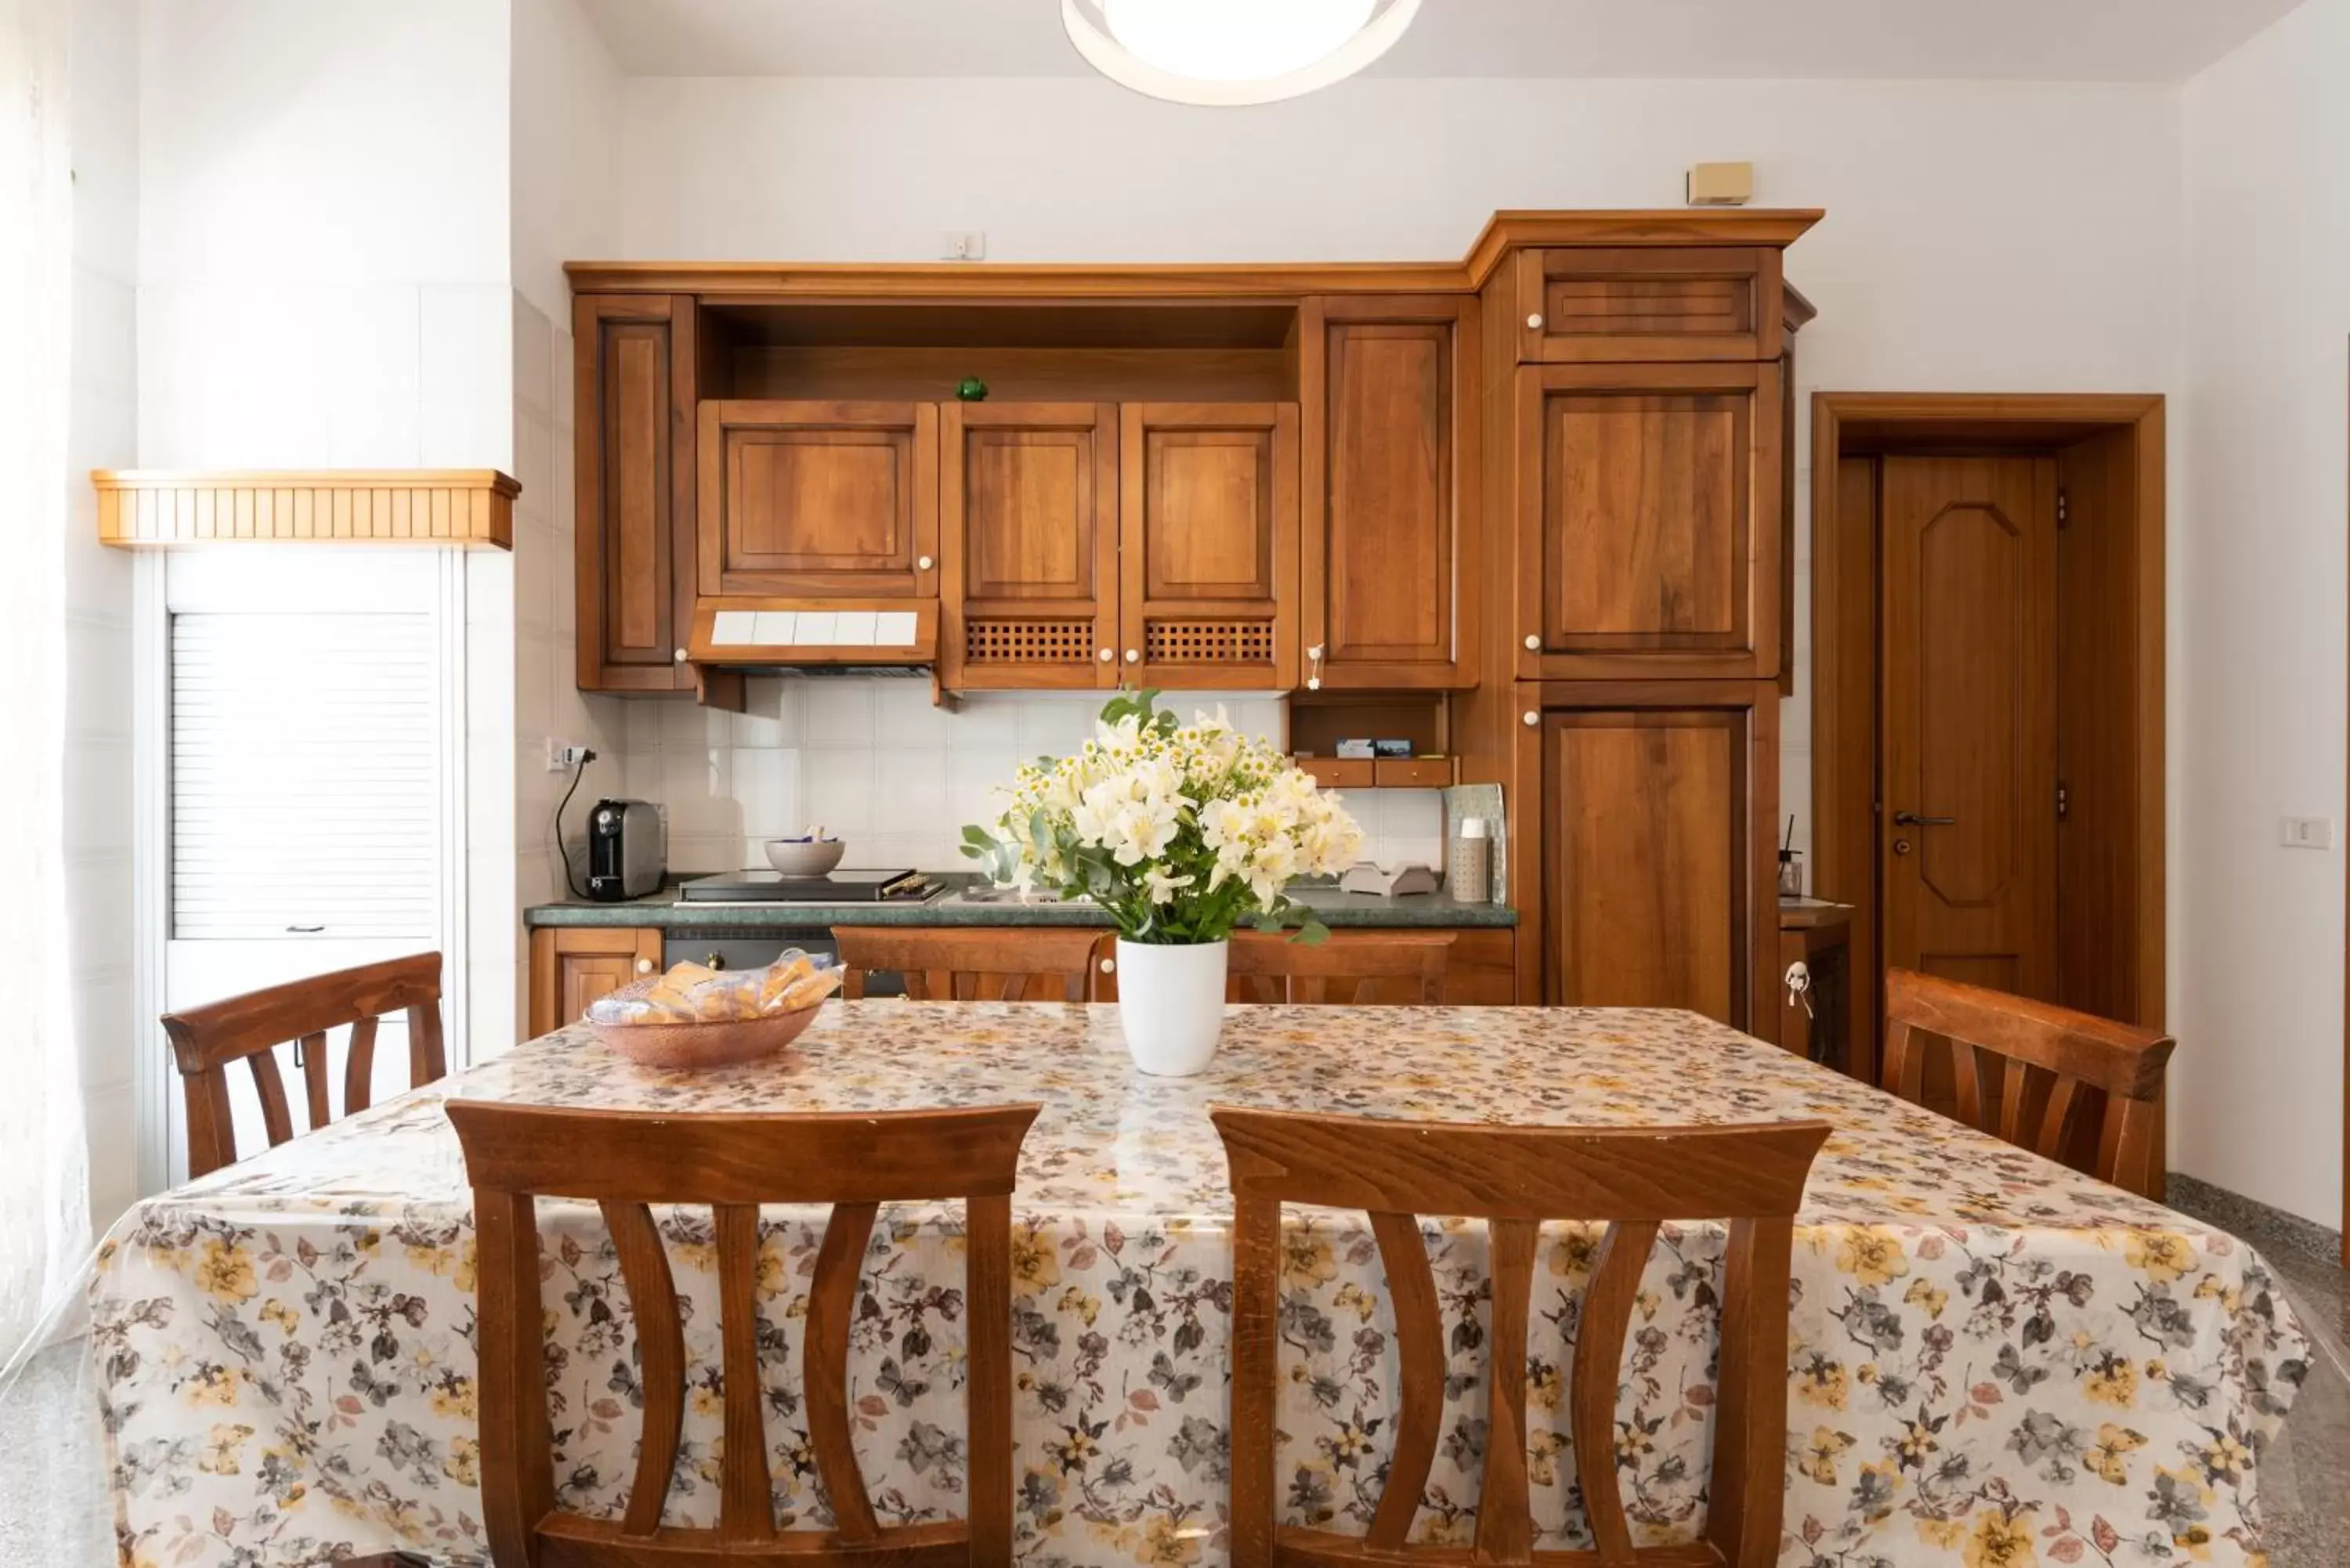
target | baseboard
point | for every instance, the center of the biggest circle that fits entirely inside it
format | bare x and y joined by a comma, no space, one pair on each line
2256,1222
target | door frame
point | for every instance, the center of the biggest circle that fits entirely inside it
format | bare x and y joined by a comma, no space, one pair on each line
1845,651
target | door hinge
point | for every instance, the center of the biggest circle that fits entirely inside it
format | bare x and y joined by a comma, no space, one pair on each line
2063,507
2064,800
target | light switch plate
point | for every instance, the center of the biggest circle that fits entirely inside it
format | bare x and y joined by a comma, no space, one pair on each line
2305,832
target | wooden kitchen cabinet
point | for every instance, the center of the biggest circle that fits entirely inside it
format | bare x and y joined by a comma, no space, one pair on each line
634,403
1598,306
1028,497
572,966
1389,390
1208,535
1647,502
1481,972
806,499
1650,839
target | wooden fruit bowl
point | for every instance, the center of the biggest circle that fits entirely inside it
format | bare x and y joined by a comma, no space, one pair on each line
689,1046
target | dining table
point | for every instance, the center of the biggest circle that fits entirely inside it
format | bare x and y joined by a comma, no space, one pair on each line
1996,1361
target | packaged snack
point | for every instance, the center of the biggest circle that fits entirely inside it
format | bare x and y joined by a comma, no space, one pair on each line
694,993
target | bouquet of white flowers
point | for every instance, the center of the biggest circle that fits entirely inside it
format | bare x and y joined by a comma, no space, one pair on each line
1181,832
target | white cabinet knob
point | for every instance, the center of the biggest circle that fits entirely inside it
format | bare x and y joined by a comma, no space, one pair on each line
1534,643
1534,322
1134,656
1532,717
680,656
1106,656
644,966
1109,966
923,563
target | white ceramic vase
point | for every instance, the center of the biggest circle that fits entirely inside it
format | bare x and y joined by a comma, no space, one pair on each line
1171,1004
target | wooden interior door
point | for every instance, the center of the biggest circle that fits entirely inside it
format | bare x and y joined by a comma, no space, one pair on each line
1647,511
1028,509
1967,839
1654,846
1208,570
1391,468
819,499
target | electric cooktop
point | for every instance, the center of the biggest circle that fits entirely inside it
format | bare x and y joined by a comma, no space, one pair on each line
841,886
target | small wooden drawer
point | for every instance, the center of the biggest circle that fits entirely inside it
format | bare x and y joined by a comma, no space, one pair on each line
1628,306
1340,773
1412,773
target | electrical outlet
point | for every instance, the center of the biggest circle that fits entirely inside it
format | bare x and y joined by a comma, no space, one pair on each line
2305,832
563,756
963,244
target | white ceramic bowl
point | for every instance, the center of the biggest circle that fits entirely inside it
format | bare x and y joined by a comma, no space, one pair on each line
804,857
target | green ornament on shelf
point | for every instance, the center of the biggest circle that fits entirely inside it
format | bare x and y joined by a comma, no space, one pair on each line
972,390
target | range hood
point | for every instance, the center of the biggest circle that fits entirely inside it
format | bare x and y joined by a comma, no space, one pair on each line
812,636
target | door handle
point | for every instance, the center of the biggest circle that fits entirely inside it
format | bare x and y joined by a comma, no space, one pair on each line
1911,819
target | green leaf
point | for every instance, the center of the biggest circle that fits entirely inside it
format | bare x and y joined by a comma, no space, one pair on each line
1313,933
974,834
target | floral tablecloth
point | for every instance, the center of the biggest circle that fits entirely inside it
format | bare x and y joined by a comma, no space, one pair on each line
1997,1362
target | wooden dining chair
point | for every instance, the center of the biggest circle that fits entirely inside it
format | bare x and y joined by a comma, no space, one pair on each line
971,964
1265,968
1513,1179
2051,1054
626,1160
208,1040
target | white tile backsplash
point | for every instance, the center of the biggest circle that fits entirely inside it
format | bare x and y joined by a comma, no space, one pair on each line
874,761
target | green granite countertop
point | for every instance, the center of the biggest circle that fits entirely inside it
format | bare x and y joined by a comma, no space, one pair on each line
662,909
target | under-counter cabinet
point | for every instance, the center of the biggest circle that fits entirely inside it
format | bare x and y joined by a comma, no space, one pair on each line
1651,837
572,966
633,399
1391,403
818,499
1646,502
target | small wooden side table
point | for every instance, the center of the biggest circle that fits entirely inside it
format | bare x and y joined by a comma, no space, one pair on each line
1817,935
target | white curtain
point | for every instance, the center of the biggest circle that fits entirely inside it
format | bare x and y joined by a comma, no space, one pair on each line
44,1165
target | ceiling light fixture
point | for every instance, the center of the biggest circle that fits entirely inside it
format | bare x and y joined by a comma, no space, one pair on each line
1222,53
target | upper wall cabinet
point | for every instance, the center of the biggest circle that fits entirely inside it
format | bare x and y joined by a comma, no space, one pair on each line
1028,499
1390,400
1610,305
634,410
1207,526
1647,500
818,499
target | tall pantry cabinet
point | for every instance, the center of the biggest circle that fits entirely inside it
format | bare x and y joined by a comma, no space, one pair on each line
1635,540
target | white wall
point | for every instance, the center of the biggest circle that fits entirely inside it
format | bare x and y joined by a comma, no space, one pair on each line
1979,236
102,433
2258,602
565,140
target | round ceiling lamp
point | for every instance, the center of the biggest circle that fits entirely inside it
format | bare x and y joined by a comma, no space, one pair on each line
1223,53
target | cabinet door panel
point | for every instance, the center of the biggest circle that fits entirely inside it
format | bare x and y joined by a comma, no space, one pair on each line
1028,495
1631,305
1648,519
1389,414
819,499
1207,525
572,966
634,393
1656,803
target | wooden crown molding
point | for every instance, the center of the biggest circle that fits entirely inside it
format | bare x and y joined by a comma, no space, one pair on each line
159,508
1505,232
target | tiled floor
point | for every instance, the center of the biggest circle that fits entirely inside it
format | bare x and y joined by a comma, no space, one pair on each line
54,1513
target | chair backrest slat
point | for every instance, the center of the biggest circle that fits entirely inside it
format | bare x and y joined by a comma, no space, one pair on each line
1603,1324
832,1307
1420,1393
1513,1179
958,963
661,1357
206,1041
2037,1042
625,1161
1264,968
